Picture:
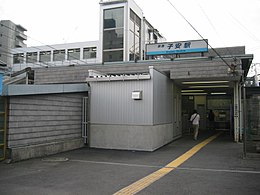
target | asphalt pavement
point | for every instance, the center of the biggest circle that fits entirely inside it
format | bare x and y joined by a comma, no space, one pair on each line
217,168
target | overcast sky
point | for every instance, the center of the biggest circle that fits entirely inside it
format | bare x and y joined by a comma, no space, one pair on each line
224,23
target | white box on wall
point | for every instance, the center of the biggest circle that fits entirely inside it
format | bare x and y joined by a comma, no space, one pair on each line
137,95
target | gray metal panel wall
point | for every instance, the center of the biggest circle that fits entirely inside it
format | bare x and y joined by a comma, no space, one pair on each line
112,103
162,98
40,119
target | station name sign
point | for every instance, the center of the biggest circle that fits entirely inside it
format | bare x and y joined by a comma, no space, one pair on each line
194,46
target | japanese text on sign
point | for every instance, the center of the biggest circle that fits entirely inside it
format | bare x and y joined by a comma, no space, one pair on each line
177,47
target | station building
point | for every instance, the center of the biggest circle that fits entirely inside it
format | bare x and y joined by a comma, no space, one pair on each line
130,90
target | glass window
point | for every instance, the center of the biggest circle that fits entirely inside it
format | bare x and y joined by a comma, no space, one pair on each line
113,34
18,58
137,45
138,20
59,55
132,26
45,56
135,18
74,54
114,18
31,57
132,15
113,39
131,42
89,52
134,36
137,30
113,56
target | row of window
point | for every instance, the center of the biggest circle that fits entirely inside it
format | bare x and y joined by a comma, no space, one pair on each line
55,55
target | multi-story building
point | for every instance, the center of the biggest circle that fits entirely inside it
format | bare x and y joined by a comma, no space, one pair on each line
11,36
124,32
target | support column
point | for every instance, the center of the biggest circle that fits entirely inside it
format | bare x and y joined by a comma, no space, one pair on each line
236,112
240,116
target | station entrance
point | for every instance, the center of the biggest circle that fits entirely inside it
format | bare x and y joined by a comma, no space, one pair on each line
218,96
221,106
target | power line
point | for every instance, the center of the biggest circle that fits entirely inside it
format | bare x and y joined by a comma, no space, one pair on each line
244,28
200,35
214,28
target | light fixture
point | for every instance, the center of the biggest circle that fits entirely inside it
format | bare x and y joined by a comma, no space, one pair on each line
202,82
192,90
194,94
218,93
209,86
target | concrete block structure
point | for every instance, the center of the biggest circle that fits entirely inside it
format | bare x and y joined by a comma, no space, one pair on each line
44,120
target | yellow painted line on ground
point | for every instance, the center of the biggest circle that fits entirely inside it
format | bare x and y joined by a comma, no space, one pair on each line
148,180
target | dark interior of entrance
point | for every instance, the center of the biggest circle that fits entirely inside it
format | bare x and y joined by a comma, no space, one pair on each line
220,105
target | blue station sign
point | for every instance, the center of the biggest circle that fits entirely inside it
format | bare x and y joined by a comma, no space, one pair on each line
167,48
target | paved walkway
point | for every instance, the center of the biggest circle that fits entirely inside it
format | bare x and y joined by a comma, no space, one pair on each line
211,165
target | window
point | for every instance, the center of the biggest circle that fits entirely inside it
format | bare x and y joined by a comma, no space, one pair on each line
74,54
59,55
113,56
45,56
113,34
113,39
18,58
31,57
89,52
114,18
134,36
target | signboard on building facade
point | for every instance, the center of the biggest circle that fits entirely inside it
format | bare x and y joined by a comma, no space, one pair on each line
194,46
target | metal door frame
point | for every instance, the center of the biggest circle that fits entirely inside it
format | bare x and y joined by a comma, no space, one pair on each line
3,130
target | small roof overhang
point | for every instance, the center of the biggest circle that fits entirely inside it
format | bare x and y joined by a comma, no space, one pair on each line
18,90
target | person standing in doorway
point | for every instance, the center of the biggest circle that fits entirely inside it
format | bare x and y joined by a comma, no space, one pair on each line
211,118
195,119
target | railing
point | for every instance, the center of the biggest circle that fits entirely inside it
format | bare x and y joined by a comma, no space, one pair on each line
22,76
85,119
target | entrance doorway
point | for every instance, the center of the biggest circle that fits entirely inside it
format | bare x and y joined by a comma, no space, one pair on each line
220,105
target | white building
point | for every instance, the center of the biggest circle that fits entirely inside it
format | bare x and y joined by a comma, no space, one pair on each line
11,36
121,39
